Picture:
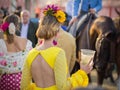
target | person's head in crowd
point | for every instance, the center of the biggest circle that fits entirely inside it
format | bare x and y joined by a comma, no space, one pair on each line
37,12
51,22
9,26
1,16
25,16
5,11
18,10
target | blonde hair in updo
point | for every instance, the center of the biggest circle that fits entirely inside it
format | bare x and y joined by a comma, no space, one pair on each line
48,28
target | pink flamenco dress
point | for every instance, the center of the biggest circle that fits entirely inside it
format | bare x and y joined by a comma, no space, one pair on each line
55,58
11,65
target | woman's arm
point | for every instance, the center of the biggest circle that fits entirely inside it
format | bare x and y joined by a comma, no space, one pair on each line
26,77
63,81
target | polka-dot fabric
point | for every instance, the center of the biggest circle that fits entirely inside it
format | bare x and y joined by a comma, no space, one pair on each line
10,81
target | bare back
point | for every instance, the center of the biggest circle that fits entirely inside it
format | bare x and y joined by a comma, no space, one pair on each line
19,44
42,73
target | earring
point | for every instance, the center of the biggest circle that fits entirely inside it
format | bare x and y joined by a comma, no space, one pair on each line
40,42
54,42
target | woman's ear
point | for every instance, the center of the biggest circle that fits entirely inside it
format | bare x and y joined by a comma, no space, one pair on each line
40,41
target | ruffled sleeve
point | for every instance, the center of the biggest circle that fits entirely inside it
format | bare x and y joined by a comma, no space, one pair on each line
79,79
63,82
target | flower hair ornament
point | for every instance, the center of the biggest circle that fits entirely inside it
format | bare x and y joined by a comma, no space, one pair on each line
6,26
55,11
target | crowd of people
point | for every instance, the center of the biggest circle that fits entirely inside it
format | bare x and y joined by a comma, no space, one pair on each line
41,55
20,36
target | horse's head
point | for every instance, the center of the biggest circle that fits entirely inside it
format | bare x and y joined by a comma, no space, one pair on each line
106,30
103,61
103,24
102,53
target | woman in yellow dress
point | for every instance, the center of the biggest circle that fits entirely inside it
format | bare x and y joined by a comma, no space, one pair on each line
46,64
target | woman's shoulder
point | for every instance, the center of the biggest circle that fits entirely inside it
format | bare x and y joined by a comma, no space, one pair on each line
25,43
56,49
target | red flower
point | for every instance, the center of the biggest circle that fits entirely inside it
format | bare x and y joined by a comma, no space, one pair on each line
4,26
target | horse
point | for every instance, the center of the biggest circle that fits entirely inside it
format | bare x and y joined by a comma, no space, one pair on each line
86,37
105,47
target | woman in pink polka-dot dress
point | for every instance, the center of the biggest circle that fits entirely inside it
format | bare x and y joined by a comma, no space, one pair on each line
13,51
10,81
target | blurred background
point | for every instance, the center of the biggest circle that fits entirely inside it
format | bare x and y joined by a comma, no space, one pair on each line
35,6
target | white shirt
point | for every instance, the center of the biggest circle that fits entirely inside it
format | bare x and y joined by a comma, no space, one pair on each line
24,30
14,60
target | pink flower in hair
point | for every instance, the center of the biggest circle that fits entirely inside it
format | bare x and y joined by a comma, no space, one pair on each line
4,26
50,9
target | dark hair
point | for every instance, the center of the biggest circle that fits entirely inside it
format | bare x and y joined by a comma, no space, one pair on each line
48,27
18,10
11,19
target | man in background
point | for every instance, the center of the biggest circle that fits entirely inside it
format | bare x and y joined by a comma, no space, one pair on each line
82,7
28,28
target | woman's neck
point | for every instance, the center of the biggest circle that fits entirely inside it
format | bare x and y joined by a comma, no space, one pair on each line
46,44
